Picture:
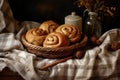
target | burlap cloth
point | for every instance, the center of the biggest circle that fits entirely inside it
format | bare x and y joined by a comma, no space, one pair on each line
99,63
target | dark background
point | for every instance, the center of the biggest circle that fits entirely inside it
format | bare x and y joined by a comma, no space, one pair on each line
42,10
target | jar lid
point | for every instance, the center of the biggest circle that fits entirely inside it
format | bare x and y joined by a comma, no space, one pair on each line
73,16
92,13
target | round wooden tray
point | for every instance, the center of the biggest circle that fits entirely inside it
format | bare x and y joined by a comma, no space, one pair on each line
60,52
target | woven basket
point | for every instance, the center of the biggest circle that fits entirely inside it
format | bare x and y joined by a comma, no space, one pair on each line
60,52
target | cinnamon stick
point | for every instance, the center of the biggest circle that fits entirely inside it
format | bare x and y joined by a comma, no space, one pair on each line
78,54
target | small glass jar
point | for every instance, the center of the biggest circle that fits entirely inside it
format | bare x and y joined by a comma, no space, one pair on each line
92,26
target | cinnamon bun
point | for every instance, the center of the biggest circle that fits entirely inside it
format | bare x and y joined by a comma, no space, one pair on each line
49,26
35,36
55,39
71,31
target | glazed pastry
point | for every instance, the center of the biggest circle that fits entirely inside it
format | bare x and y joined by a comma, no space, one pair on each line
73,33
35,36
49,26
55,39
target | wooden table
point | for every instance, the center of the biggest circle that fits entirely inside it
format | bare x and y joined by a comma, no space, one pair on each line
7,74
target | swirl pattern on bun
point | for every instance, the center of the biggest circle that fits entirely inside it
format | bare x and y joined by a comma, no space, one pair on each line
35,36
55,39
49,26
71,31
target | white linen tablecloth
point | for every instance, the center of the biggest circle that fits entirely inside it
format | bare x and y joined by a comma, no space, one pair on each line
98,63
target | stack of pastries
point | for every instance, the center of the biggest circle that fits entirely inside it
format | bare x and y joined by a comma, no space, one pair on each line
51,35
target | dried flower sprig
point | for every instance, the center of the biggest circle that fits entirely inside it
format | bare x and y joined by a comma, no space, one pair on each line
94,6
91,5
